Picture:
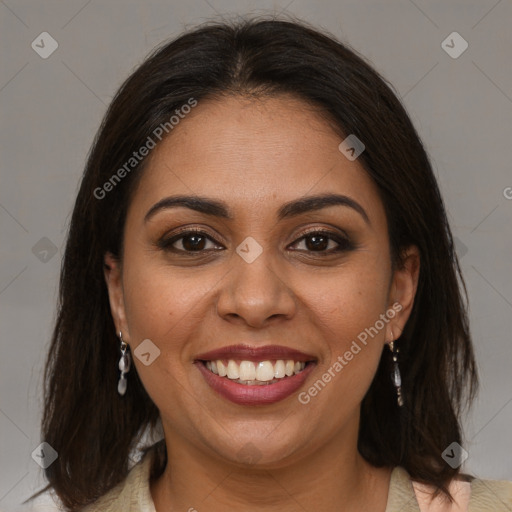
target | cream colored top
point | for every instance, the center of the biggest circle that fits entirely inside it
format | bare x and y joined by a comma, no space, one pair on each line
133,494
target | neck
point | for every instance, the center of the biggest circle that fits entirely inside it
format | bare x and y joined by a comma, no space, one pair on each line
332,478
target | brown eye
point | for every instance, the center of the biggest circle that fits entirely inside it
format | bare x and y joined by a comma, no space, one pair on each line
317,242
189,242
193,242
322,242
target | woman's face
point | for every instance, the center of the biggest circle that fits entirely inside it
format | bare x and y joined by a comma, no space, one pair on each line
273,276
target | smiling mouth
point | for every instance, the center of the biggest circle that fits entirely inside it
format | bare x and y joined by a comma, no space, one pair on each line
255,375
258,373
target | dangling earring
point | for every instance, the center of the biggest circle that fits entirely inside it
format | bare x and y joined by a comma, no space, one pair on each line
124,366
395,374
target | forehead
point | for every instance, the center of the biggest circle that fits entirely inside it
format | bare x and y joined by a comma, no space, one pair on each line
253,151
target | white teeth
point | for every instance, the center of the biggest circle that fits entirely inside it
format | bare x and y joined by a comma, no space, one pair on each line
221,368
279,370
233,371
264,371
248,372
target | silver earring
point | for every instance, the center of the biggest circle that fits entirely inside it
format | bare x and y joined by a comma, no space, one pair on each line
395,374
124,366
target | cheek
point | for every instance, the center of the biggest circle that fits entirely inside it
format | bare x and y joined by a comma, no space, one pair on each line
353,348
159,303
166,309
349,300
347,309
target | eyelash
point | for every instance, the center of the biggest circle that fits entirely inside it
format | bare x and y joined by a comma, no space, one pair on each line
344,244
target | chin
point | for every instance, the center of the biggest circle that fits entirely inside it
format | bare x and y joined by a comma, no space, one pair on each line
259,447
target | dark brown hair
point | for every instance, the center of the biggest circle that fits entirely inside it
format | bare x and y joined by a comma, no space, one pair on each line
92,428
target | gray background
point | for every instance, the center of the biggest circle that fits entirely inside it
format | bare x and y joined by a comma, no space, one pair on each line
51,109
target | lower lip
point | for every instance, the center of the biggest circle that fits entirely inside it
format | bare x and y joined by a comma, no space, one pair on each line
265,394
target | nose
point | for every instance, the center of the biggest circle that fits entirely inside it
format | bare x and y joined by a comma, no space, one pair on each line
255,293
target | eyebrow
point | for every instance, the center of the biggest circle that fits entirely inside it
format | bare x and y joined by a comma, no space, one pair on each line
218,208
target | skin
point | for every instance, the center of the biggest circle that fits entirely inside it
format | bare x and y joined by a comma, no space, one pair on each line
256,155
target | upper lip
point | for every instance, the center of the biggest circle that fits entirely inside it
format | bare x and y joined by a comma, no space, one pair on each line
255,354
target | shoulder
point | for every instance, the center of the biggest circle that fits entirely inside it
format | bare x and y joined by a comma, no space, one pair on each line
490,495
131,495
472,495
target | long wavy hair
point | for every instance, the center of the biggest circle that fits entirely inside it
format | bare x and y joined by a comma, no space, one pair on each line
92,428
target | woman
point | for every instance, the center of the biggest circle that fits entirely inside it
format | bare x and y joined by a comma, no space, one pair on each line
259,262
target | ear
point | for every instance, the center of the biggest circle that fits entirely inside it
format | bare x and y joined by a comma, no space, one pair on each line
113,277
402,292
